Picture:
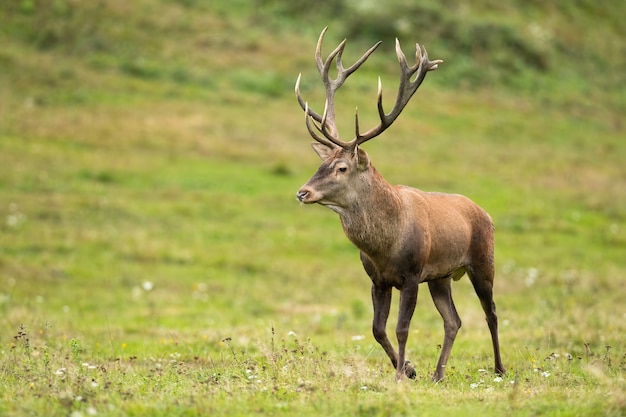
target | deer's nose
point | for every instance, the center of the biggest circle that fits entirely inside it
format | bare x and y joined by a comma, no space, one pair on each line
302,194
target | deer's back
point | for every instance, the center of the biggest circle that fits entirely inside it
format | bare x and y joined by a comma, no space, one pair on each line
454,230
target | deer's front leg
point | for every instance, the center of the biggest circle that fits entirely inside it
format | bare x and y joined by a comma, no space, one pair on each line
408,300
441,291
381,300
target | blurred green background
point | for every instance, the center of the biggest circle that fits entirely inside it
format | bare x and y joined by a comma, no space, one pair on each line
150,152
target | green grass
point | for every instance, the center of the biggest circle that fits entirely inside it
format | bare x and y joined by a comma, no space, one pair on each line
154,260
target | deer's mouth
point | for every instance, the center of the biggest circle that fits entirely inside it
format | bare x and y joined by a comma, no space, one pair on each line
334,207
307,196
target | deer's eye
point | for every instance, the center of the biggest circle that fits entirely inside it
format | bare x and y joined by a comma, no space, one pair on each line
343,169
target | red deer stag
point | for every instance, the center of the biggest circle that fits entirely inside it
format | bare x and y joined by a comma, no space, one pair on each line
406,236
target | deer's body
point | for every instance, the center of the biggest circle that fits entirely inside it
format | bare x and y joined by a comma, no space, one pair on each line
406,236
438,246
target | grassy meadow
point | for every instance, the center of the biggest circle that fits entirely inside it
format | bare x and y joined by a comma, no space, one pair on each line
154,260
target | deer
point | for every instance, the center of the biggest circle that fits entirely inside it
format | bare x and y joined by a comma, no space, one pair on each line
405,236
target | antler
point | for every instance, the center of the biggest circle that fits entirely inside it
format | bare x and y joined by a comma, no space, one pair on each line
327,125
406,89
326,122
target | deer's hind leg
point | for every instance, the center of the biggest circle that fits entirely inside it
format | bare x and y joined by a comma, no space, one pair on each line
441,292
481,275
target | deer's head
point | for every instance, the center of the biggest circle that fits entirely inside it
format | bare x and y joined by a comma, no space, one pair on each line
336,181
345,166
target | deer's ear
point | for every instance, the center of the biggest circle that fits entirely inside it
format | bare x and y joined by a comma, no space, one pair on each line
322,150
362,159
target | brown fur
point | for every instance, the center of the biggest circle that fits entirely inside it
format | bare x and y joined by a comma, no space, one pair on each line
406,237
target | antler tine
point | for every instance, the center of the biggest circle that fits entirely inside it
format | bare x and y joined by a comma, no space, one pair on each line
324,66
361,60
406,89
316,116
327,140
328,123
342,73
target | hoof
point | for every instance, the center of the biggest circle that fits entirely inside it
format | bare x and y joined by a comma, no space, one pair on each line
437,378
438,375
409,370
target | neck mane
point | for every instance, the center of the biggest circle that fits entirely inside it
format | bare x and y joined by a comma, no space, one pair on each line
372,220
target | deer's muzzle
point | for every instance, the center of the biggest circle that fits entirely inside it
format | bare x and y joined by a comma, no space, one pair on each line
308,195
302,195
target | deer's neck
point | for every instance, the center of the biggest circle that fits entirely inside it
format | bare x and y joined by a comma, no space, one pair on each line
373,219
